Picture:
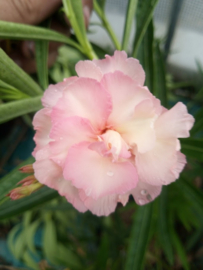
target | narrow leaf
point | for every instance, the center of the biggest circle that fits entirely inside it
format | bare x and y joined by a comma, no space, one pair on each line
179,249
74,12
192,148
139,237
144,14
193,194
17,108
27,32
130,15
163,226
12,74
198,125
41,50
159,87
145,55
106,25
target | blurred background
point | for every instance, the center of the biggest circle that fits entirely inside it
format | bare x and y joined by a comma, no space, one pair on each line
44,232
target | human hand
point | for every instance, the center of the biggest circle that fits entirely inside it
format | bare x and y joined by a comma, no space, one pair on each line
34,12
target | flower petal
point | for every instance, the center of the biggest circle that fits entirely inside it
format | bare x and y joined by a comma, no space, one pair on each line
98,176
50,174
54,92
126,95
139,130
119,62
116,145
84,98
100,207
88,69
155,167
145,193
68,132
175,122
42,124
179,164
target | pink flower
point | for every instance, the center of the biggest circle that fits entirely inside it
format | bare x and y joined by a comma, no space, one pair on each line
102,136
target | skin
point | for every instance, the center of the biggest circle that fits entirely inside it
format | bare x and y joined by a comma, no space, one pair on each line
34,12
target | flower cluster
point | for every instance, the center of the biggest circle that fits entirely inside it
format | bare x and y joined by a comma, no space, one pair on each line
102,136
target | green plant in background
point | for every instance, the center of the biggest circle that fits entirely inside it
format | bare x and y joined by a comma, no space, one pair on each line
159,235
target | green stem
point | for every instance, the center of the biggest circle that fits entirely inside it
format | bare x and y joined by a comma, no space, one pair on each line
106,24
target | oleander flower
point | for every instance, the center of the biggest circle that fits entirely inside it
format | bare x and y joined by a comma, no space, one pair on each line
102,136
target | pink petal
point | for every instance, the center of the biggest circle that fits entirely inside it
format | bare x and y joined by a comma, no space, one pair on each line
145,193
85,98
54,92
88,69
68,132
155,166
179,164
50,174
139,130
98,176
100,207
126,95
42,124
119,62
175,122
116,145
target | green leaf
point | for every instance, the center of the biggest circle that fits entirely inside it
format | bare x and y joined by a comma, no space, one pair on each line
41,50
144,14
12,74
18,31
17,108
159,87
192,148
145,55
66,257
12,236
192,193
179,249
8,182
74,11
198,125
106,25
139,238
130,15
49,239
163,226
13,208
30,236
29,261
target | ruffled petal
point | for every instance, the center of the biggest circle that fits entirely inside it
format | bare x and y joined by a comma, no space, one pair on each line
50,174
119,62
139,130
175,122
126,95
88,69
54,92
179,164
155,166
97,175
85,98
42,124
145,193
116,145
66,133
100,207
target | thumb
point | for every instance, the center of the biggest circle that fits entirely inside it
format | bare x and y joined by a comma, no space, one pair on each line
27,11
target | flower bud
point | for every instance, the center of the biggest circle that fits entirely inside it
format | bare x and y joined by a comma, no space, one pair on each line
21,192
27,169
